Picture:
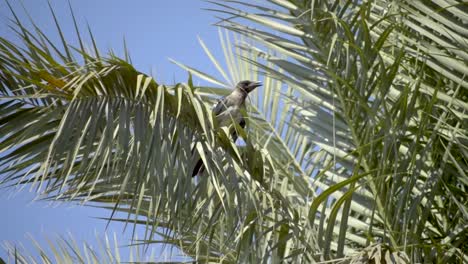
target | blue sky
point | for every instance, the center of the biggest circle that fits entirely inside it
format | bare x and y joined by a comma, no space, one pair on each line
154,31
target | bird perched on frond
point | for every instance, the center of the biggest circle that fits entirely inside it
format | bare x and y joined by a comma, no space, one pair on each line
228,109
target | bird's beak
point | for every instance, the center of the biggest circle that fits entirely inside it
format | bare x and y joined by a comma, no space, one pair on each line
253,85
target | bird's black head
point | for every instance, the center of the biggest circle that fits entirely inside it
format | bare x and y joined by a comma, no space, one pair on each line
248,86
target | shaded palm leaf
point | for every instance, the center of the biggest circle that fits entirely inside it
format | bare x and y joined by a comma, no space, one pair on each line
106,133
67,250
387,113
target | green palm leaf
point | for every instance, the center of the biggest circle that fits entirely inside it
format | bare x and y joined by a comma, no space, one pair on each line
392,104
66,249
355,147
106,133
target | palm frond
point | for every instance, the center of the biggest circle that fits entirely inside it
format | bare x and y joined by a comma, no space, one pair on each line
104,132
378,90
106,249
356,145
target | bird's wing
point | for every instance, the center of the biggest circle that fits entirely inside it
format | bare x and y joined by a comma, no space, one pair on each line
220,105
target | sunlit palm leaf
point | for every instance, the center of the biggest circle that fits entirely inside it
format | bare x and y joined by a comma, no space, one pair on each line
107,133
357,137
394,111
67,250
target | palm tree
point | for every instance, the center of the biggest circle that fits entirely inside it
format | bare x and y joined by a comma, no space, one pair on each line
355,150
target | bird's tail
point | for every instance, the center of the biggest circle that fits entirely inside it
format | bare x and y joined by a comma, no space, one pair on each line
198,168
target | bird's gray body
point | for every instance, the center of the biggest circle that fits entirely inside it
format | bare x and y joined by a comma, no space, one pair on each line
228,110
